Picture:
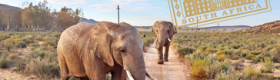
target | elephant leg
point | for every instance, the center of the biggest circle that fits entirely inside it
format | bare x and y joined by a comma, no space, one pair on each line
94,71
166,52
119,74
64,73
160,54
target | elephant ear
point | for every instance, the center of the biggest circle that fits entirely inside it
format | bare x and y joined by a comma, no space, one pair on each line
154,28
100,43
172,28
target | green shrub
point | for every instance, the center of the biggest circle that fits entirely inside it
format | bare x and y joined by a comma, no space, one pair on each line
234,57
209,50
258,58
221,57
198,69
13,56
39,38
184,51
19,43
202,48
42,68
255,52
250,56
268,65
147,41
4,63
28,39
249,73
8,44
244,54
50,41
175,45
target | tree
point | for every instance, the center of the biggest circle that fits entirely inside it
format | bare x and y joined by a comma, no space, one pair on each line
1,26
67,17
8,17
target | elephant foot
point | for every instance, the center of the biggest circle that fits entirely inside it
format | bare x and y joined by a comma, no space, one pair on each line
165,59
160,62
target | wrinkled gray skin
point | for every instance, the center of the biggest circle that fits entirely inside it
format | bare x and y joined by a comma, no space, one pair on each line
90,51
163,30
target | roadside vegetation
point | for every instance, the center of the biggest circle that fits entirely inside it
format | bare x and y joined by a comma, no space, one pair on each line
30,53
229,56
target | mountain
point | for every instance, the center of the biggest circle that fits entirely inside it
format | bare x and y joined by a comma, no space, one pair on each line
271,27
143,27
4,6
89,20
225,27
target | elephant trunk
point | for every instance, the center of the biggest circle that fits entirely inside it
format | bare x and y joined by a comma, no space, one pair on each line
135,67
161,40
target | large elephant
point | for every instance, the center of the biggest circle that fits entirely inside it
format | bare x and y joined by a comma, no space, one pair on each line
164,32
90,51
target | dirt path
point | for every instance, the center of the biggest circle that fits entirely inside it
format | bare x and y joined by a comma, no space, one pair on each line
174,69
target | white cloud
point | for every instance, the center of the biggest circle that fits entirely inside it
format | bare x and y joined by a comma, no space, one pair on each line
66,2
128,5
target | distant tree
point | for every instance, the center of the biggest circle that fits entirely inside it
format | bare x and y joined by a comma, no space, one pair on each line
1,17
67,17
8,17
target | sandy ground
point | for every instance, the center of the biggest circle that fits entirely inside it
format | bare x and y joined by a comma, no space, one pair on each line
6,74
174,69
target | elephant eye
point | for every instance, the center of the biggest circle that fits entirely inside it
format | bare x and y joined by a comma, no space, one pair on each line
167,31
122,51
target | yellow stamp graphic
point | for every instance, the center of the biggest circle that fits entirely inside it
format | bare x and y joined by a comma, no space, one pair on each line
203,12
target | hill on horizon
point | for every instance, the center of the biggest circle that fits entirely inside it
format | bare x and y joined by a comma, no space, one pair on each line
5,6
270,27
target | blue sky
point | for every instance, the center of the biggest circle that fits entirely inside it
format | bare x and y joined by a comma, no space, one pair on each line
142,12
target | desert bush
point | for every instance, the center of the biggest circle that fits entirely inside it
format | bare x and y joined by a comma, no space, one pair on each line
250,73
227,76
8,44
184,51
209,50
3,37
42,68
250,56
147,41
39,38
199,68
221,57
216,67
34,45
19,43
234,57
175,45
28,39
4,63
13,56
255,52
268,65
50,41
258,58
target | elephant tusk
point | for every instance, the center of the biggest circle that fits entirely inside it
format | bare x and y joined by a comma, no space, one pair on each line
148,75
129,75
169,39
156,40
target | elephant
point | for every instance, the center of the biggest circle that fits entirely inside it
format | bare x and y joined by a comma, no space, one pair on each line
164,32
90,51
